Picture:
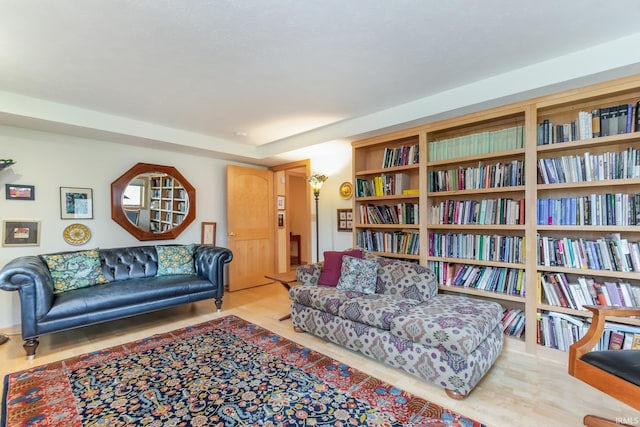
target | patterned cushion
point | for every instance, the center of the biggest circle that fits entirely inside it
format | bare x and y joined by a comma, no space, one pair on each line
327,298
358,275
175,260
455,323
333,265
375,310
74,270
404,279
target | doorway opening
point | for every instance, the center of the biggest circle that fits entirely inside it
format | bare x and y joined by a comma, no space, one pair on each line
293,232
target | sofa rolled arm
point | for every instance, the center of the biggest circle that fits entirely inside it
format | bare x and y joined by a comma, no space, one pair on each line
30,276
209,263
309,274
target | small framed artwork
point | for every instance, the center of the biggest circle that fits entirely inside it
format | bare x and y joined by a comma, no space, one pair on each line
209,233
76,203
20,192
20,233
280,202
345,220
280,219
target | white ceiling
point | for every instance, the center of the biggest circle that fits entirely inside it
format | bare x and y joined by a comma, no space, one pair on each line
191,74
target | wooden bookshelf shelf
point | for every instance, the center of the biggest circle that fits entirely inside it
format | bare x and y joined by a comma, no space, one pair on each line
473,142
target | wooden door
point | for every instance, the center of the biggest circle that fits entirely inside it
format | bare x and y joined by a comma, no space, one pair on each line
251,226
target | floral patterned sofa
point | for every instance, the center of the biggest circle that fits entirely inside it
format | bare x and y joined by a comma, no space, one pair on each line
449,341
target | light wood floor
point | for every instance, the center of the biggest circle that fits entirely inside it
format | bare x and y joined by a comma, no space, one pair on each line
520,390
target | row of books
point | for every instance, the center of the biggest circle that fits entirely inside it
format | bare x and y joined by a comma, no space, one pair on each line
494,279
477,247
397,242
485,212
402,213
162,194
603,121
610,252
478,143
473,178
559,291
513,322
401,156
595,209
382,185
590,167
560,331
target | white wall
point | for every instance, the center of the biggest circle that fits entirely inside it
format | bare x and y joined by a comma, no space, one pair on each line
49,161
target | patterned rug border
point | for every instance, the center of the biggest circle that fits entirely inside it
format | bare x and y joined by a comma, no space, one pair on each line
404,407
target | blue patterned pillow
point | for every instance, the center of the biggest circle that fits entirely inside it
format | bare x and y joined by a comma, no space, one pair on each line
358,275
74,270
175,260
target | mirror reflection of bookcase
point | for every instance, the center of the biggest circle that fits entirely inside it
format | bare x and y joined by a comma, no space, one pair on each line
169,203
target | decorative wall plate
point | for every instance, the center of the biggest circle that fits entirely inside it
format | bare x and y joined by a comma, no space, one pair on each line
76,234
346,190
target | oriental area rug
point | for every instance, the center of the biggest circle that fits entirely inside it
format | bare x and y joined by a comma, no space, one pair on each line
225,372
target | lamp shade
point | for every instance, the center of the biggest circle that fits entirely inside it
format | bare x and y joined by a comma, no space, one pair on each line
316,181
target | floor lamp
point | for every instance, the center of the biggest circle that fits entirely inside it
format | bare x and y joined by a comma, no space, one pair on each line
316,181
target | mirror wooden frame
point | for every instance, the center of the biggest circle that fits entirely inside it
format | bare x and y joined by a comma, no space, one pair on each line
117,212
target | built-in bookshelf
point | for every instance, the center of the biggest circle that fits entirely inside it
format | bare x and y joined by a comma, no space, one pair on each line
535,205
168,203
588,212
387,190
475,202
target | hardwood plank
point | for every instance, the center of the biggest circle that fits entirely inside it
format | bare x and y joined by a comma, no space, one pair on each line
520,389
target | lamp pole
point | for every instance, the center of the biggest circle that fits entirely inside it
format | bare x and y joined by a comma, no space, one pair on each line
317,196
316,181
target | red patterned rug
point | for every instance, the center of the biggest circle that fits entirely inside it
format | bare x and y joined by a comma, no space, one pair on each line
226,372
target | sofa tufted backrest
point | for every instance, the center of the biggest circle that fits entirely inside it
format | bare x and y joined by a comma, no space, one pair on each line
404,278
129,263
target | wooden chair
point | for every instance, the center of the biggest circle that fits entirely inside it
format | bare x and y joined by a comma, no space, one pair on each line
614,372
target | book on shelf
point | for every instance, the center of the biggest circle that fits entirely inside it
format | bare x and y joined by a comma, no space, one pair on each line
398,242
616,340
605,253
494,175
599,122
513,322
635,342
502,280
559,291
383,185
409,191
476,144
400,156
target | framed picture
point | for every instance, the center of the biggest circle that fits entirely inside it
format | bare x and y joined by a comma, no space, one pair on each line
280,219
76,203
209,233
280,202
20,192
345,220
20,233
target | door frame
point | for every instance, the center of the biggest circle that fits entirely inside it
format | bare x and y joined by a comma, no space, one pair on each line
282,240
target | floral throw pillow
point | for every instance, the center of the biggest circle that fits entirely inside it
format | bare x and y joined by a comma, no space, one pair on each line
75,270
332,266
175,260
358,275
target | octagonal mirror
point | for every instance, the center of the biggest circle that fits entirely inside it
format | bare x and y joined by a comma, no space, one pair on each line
153,202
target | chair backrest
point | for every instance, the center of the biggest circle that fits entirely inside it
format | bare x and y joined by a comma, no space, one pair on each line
598,374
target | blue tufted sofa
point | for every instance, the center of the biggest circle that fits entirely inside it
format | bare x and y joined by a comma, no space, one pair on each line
133,288
448,340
